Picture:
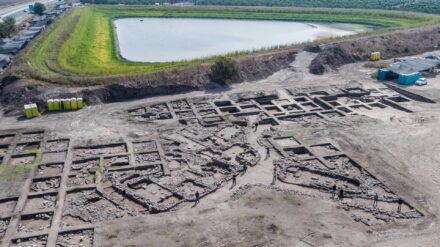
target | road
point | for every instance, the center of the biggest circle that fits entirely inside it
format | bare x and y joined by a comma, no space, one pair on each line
19,10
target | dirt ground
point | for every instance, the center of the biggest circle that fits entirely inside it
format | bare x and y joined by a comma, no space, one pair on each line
396,150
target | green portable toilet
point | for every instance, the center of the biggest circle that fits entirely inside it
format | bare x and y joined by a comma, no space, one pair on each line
73,103
56,105
66,104
34,109
50,105
80,103
27,111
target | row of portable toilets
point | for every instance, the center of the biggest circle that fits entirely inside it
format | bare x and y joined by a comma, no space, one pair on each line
31,110
65,104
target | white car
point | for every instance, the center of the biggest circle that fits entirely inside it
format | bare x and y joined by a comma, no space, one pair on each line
421,82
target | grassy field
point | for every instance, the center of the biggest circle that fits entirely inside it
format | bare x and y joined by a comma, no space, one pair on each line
80,49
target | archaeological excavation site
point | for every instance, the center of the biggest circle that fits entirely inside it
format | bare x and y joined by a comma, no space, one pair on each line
206,129
292,165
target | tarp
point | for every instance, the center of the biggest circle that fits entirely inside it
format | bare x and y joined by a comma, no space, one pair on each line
412,65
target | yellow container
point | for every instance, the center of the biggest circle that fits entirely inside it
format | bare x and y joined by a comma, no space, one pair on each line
27,111
80,103
66,104
73,103
375,56
34,109
50,105
56,105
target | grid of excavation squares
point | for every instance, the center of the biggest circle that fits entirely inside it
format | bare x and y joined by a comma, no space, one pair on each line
88,160
301,105
34,220
318,167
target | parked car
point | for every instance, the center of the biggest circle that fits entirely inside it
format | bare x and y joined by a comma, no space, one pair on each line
421,82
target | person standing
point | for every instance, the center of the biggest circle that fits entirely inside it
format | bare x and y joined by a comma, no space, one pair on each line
256,126
197,195
274,175
376,199
341,194
333,191
267,153
234,179
399,206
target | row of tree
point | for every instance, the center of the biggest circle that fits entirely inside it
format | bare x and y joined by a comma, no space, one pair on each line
429,6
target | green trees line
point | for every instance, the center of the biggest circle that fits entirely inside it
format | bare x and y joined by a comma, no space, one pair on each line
428,6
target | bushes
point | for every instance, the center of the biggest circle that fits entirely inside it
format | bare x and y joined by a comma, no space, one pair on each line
7,27
39,8
223,71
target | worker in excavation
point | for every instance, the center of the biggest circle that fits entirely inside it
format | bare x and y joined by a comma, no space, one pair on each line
376,199
234,179
197,195
333,191
341,194
267,153
399,206
256,126
275,175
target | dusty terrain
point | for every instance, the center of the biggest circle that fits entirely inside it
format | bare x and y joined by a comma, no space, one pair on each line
125,174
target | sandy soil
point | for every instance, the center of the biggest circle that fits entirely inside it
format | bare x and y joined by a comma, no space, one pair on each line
400,149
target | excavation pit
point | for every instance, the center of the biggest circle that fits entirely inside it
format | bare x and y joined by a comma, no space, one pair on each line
229,109
147,158
310,106
144,146
189,188
7,206
324,149
41,202
80,179
273,109
180,105
4,149
35,222
399,99
301,99
32,136
299,152
150,191
86,164
27,147
77,238
286,141
4,223
207,112
37,241
49,169
223,103
292,107
7,138
45,184
185,114
117,161
54,157
99,150
57,145
22,159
